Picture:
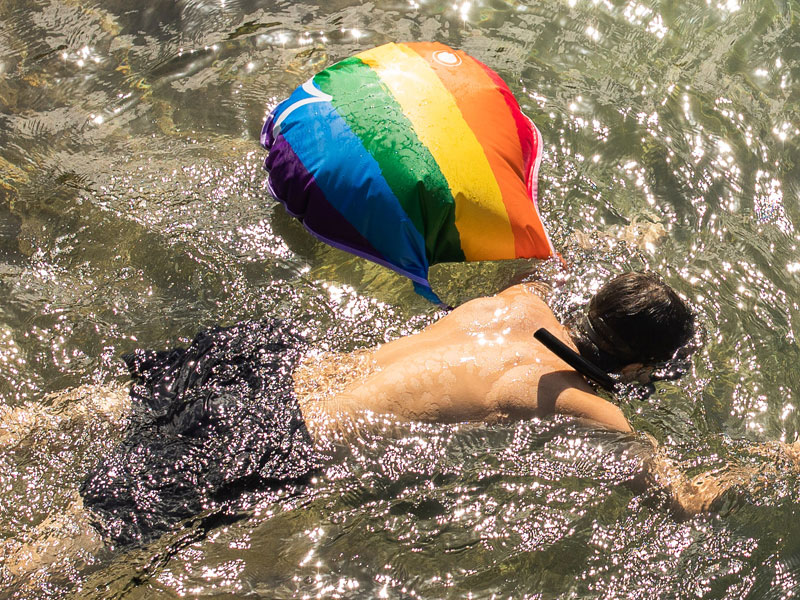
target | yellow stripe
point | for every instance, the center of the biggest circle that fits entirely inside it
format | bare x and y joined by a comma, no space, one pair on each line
481,217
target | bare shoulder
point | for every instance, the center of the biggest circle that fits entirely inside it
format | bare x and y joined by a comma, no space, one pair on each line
519,299
65,410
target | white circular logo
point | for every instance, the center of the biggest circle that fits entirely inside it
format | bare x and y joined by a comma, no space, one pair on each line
448,59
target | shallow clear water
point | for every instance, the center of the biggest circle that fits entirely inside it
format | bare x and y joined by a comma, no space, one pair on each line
133,212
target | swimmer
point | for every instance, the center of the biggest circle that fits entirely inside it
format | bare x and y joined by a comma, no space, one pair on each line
248,406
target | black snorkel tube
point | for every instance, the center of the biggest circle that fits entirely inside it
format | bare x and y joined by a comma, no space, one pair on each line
575,360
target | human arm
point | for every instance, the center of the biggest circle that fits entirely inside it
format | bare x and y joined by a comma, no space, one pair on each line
686,497
555,393
708,491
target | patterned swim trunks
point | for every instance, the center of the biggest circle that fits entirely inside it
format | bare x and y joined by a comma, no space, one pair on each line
209,422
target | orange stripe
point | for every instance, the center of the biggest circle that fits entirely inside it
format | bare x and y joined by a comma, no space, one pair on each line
490,118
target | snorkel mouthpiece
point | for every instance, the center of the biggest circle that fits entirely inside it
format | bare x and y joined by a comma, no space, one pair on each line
575,360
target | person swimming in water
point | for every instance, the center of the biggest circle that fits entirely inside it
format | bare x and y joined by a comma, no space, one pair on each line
247,406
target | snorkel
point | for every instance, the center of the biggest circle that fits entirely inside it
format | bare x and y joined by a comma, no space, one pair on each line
576,361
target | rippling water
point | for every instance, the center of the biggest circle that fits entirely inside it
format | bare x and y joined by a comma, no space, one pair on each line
133,212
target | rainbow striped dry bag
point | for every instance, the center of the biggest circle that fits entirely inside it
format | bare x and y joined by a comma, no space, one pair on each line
409,155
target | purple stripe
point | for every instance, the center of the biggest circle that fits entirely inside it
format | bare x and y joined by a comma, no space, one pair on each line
295,188
267,131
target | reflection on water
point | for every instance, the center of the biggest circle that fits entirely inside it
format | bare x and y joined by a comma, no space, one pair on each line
133,212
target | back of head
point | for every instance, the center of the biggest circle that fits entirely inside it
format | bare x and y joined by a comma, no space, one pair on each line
637,318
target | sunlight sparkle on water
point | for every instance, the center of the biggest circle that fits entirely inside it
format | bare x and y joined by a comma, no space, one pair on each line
158,223
728,6
657,27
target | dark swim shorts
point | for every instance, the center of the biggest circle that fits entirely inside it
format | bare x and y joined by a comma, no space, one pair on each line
209,422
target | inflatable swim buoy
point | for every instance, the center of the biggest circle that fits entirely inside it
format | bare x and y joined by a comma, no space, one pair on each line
409,155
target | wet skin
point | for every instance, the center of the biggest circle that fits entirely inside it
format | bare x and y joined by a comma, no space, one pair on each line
478,363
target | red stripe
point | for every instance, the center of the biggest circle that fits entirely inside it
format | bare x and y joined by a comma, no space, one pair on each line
493,118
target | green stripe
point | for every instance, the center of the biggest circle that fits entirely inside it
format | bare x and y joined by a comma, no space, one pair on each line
373,114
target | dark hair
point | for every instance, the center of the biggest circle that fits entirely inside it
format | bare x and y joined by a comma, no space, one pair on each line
634,318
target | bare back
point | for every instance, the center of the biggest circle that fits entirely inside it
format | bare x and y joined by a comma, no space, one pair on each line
478,363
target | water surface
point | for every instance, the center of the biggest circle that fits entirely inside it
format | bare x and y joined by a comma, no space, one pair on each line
134,212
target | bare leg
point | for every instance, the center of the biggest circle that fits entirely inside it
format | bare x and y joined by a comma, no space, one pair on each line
63,537
66,536
780,452
63,410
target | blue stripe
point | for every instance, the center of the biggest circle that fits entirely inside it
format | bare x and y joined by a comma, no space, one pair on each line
351,181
